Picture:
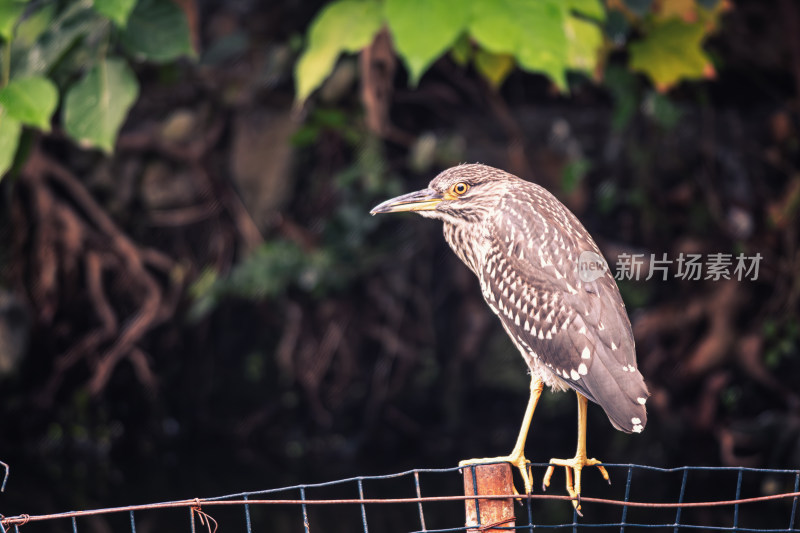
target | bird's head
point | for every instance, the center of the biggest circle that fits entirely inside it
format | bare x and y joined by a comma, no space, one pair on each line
466,193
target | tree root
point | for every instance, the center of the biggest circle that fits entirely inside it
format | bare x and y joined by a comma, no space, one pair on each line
74,245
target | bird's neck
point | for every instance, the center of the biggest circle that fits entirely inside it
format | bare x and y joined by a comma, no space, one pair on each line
470,246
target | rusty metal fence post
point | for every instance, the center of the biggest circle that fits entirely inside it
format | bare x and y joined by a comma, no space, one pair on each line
487,515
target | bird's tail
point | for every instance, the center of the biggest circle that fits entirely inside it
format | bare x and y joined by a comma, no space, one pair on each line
624,395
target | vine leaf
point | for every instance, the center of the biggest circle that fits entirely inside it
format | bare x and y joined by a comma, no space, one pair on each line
96,106
34,24
10,11
117,10
494,67
31,100
591,9
422,30
157,31
343,26
685,10
53,43
671,52
10,130
461,52
584,41
543,36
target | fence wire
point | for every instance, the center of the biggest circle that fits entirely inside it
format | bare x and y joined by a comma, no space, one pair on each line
668,499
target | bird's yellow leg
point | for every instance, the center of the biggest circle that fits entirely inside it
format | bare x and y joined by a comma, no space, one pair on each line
577,463
517,455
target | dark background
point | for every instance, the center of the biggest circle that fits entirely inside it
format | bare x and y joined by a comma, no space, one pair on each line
274,333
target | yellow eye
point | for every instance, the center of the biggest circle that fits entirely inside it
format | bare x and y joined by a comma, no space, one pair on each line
460,188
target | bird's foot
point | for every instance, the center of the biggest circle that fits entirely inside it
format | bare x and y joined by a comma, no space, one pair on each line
517,460
575,465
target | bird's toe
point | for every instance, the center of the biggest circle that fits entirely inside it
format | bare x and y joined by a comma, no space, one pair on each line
573,468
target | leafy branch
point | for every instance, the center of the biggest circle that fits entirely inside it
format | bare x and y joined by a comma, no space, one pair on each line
73,55
548,37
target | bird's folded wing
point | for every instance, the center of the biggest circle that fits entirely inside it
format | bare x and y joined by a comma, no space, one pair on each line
578,330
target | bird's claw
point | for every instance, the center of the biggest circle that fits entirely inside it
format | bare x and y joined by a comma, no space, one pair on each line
518,461
575,465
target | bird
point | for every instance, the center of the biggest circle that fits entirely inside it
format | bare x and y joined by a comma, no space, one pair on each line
569,323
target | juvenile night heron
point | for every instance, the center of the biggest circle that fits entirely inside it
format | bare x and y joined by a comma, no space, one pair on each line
570,324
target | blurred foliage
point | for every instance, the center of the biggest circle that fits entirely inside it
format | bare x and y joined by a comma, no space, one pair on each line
342,252
671,49
344,26
74,51
567,36
267,273
322,120
550,37
783,342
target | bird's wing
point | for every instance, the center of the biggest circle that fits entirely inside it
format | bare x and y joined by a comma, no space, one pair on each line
578,330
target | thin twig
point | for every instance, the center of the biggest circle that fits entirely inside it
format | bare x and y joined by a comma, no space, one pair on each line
5,476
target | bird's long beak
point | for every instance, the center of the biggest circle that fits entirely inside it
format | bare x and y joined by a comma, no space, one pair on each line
424,200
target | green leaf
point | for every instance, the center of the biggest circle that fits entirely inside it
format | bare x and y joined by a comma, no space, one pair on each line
342,26
10,11
157,31
671,52
592,9
34,25
461,52
75,21
96,106
543,36
117,10
682,9
10,130
621,83
584,41
30,100
494,67
422,30
584,37
530,31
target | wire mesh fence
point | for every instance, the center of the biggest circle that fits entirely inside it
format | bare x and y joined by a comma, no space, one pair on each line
432,500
